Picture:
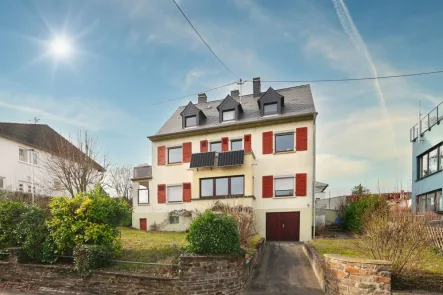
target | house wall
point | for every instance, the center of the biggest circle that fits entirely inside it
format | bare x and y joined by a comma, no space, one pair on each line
281,164
434,182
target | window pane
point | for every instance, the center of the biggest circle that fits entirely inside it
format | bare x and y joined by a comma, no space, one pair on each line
284,186
143,196
174,155
433,161
424,165
23,155
216,147
207,189
439,201
175,193
430,202
237,185
236,145
221,186
441,157
284,142
190,121
270,108
174,219
228,115
35,158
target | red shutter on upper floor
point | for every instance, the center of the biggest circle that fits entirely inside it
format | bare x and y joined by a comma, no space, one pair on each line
301,181
225,144
161,193
161,155
268,147
268,186
187,192
203,146
301,142
187,152
248,143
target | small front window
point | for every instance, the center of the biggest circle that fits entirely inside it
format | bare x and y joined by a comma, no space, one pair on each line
284,142
173,219
23,155
270,108
236,145
175,194
191,121
143,194
228,115
284,187
216,147
175,155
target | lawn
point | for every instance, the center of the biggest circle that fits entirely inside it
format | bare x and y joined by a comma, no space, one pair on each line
429,277
151,247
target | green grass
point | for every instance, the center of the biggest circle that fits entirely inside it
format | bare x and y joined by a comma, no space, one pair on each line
345,247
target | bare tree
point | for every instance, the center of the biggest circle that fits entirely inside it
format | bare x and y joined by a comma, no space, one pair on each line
119,179
73,165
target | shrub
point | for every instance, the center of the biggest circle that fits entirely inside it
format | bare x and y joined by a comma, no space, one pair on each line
10,216
89,257
254,241
355,211
88,219
398,236
212,233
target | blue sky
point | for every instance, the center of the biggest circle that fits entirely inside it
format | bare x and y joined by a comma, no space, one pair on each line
130,54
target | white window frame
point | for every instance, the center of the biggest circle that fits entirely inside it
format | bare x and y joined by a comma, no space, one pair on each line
144,189
292,187
181,193
25,154
228,112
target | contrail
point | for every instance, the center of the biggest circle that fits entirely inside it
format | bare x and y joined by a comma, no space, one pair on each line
352,31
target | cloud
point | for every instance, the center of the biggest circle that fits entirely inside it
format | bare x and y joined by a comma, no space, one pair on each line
336,167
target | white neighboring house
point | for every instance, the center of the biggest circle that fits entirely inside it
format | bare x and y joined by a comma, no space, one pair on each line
23,148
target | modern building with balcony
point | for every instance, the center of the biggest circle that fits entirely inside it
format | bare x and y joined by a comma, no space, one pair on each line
427,162
255,150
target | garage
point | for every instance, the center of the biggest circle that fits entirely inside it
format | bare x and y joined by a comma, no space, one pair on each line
283,226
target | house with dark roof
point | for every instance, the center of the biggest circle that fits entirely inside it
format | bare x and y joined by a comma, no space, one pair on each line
255,150
23,148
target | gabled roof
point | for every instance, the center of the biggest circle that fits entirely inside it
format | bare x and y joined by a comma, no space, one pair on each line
270,96
190,109
39,136
228,102
298,103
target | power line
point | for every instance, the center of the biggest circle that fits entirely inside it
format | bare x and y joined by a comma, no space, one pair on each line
204,40
352,79
181,97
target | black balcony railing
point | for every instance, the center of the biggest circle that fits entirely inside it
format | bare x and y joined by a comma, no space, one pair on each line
426,122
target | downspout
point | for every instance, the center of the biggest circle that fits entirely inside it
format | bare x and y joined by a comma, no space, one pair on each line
313,178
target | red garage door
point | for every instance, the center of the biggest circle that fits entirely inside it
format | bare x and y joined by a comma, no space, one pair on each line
283,226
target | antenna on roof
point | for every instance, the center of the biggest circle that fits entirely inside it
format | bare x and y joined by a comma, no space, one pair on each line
419,121
241,82
35,120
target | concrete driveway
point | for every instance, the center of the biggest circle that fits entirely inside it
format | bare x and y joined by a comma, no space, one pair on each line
283,269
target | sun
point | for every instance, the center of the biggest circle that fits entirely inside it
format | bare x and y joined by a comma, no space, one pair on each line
61,47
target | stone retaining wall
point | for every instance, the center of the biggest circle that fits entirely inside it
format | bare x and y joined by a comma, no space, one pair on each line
317,264
347,275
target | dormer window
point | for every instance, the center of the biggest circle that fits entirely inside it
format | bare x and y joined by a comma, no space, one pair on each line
270,108
229,115
191,121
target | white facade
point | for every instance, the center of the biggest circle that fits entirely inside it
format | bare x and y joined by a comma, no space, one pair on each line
256,165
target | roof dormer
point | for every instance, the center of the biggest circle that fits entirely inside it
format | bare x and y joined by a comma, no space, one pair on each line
271,103
192,116
229,110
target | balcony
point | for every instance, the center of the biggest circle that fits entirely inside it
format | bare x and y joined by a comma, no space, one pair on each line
427,122
142,172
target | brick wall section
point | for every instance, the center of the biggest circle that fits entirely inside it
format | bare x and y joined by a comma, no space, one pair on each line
347,275
221,275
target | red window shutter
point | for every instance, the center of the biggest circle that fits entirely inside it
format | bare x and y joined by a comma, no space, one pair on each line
301,143
187,152
161,193
268,186
225,144
203,146
248,143
161,155
187,192
300,184
268,147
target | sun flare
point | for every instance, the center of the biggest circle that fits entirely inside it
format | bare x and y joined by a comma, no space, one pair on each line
61,47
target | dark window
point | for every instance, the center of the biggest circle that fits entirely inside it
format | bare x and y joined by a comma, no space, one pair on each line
270,108
216,147
174,219
143,194
222,186
284,142
236,145
190,121
284,187
430,202
430,162
228,115
175,155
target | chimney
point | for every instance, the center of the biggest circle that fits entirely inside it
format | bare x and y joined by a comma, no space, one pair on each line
202,98
235,93
256,86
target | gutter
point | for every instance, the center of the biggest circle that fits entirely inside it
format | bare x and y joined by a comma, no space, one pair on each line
314,178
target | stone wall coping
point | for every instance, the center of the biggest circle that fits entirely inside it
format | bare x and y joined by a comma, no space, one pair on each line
355,259
134,275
